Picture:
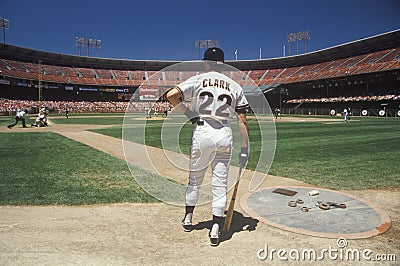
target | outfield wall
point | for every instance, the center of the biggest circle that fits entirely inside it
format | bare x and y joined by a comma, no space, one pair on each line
64,92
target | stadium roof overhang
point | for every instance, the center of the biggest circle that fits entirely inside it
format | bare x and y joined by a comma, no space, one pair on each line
372,44
23,54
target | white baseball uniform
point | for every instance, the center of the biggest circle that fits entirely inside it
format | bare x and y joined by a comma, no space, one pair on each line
346,115
19,116
215,97
20,113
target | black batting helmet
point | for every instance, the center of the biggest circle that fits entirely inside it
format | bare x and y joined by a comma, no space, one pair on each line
214,54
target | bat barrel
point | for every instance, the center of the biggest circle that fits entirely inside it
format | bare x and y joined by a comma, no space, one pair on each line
229,214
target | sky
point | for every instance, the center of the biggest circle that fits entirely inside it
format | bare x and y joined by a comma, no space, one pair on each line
168,30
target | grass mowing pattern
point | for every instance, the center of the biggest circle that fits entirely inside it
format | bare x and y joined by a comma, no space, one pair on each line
356,155
46,168
91,120
153,134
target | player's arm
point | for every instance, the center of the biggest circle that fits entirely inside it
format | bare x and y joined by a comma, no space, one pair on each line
243,130
175,97
244,137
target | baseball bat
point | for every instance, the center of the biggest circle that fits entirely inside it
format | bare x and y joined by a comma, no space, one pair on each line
229,214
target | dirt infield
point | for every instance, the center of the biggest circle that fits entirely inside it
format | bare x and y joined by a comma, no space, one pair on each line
132,234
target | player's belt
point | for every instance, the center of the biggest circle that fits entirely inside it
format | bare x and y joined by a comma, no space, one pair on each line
210,120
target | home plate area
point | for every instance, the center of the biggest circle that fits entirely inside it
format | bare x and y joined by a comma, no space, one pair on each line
316,212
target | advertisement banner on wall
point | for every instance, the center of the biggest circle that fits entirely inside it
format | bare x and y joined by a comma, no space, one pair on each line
148,93
88,89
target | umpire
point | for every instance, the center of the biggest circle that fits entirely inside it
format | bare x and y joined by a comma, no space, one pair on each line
19,117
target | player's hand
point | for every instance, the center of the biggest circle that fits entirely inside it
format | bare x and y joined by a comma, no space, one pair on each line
243,156
192,116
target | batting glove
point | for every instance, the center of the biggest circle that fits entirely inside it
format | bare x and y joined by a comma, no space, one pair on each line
243,156
192,116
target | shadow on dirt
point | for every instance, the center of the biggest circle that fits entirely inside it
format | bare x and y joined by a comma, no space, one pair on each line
239,223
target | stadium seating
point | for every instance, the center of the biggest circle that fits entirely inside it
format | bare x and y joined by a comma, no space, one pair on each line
372,62
256,75
124,77
138,76
366,63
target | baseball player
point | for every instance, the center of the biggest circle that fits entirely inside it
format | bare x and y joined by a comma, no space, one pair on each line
165,112
19,117
148,112
41,119
166,109
346,115
215,98
66,111
277,113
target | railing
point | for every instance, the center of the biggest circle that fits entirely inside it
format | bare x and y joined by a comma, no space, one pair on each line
338,112
331,112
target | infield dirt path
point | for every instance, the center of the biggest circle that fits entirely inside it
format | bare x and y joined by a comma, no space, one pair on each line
151,234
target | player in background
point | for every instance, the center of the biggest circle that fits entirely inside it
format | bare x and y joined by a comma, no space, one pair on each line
215,99
66,111
156,111
19,117
167,108
165,112
277,113
346,115
41,119
148,112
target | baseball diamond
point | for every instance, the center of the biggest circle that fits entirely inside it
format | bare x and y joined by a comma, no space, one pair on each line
126,218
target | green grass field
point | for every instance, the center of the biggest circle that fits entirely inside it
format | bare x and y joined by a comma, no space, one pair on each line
356,155
46,168
103,119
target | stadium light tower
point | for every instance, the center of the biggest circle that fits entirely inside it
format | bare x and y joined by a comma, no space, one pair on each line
87,44
4,24
96,44
206,44
296,37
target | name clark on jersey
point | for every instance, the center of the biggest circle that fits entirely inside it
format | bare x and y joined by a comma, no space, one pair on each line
216,83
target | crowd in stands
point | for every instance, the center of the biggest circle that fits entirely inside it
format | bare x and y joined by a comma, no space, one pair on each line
11,106
385,60
366,98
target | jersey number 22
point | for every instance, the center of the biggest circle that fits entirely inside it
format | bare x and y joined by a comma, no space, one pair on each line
222,110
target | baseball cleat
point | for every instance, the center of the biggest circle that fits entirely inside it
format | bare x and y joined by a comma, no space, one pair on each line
187,222
214,235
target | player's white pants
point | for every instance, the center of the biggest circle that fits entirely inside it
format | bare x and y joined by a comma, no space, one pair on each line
39,118
211,145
